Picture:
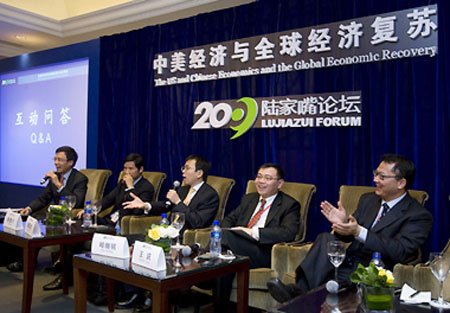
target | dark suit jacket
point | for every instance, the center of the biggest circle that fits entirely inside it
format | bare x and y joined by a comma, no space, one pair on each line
143,189
397,236
76,186
281,225
201,210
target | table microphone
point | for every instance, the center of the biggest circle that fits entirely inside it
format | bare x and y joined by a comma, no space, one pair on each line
188,250
176,184
332,286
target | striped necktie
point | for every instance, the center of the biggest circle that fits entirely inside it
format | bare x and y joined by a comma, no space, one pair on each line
258,214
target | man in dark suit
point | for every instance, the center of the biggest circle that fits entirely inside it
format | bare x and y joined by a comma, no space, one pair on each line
196,199
131,182
388,221
64,181
267,216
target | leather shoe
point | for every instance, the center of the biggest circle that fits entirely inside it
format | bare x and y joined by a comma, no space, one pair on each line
143,308
15,267
282,292
54,285
135,300
55,268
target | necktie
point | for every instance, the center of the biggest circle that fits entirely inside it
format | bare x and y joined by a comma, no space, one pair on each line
61,180
258,214
188,196
384,209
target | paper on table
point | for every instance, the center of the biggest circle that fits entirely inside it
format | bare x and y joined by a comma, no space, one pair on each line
4,210
421,297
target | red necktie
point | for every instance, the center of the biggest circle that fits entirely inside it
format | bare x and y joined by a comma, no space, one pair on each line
258,214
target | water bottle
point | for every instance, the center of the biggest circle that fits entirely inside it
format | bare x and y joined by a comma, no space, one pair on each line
62,201
87,215
376,259
164,220
215,245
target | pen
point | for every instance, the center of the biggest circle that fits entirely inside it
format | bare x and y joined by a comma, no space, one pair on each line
414,294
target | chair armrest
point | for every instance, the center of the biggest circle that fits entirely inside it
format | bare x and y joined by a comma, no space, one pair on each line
138,224
286,257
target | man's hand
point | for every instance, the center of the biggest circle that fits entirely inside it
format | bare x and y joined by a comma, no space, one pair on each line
25,211
249,231
136,203
128,180
54,179
332,214
349,228
80,214
173,196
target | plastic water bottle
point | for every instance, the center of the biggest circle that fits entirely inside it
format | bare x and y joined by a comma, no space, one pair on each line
62,201
376,259
164,220
87,215
215,245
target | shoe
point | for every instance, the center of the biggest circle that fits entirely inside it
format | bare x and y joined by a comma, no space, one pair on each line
143,308
54,285
100,299
15,267
132,302
281,292
55,268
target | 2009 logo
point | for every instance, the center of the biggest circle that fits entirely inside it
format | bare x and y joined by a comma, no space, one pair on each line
222,114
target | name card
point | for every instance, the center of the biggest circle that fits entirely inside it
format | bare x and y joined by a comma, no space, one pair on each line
13,221
148,272
149,256
113,246
115,262
32,228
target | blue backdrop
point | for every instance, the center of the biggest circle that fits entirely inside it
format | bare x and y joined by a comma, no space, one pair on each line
405,107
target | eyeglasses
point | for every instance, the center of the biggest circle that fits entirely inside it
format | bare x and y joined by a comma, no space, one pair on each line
59,159
186,168
383,177
267,178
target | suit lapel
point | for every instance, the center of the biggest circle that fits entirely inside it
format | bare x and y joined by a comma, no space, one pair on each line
394,214
250,209
274,208
195,197
371,214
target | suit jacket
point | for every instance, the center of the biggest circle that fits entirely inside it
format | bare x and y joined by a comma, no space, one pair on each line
76,185
201,209
281,223
143,189
397,236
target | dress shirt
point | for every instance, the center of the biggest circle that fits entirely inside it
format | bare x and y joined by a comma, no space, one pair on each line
262,220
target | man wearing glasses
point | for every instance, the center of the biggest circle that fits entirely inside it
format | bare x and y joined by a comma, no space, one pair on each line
388,221
64,182
196,199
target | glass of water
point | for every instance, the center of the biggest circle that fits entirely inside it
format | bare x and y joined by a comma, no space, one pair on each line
96,208
70,201
336,255
178,220
440,267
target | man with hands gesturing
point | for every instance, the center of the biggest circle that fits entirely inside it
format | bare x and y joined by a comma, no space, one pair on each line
388,220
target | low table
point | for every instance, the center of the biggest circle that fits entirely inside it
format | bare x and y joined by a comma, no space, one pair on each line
62,236
347,300
191,272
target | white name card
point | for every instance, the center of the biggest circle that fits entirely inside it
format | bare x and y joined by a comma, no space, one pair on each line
32,228
148,272
149,256
13,221
113,246
115,262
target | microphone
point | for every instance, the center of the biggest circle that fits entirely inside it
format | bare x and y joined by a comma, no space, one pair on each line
176,184
43,180
332,286
188,250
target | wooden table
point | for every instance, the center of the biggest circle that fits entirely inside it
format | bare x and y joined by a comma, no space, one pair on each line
62,236
346,301
159,286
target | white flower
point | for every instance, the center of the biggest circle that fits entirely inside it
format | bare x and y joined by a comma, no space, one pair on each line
172,232
164,232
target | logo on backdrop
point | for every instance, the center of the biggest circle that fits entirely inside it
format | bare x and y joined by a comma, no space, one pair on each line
342,109
389,36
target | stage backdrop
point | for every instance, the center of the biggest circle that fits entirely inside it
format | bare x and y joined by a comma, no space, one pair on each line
405,107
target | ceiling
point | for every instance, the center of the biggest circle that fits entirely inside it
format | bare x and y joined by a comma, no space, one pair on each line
34,25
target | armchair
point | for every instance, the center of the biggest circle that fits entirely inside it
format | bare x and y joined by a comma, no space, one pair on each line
421,278
258,294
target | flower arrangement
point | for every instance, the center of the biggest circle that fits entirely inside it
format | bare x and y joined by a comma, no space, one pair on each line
373,276
376,287
57,215
161,236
